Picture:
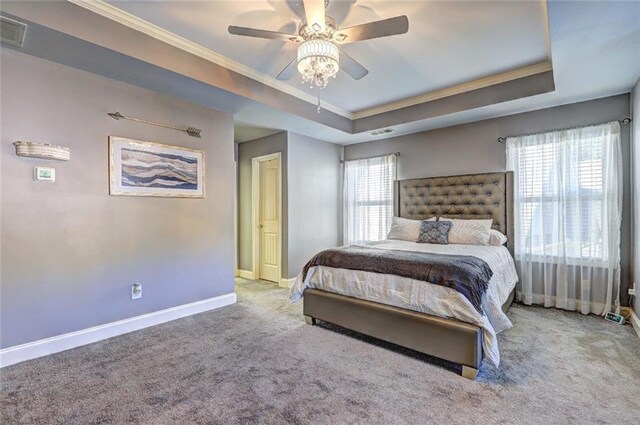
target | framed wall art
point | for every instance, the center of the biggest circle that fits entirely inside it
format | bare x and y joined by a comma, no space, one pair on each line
139,168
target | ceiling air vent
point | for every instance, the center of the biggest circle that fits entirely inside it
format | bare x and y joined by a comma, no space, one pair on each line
382,132
12,31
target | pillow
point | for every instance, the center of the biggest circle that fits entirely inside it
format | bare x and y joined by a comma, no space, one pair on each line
497,238
469,232
435,232
405,229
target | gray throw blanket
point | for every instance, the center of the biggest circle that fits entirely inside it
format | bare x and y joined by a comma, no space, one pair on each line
466,274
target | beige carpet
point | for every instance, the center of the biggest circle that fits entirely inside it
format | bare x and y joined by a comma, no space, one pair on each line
257,362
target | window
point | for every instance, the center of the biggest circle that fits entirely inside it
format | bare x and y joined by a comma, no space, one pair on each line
568,206
368,198
564,190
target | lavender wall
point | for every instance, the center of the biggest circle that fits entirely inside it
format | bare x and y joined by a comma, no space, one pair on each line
70,251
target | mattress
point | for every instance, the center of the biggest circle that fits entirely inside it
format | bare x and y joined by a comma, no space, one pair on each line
424,297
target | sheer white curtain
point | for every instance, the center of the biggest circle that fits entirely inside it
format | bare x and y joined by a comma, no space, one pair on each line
368,198
568,206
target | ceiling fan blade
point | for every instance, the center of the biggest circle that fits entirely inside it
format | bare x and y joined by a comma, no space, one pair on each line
351,66
272,35
288,70
314,12
377,29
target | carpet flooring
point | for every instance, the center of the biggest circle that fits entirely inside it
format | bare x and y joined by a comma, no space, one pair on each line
256,362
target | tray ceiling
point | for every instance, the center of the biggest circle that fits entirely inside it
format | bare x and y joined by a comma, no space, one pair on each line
448,43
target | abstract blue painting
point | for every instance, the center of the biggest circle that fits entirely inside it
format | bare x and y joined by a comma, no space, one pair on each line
151,169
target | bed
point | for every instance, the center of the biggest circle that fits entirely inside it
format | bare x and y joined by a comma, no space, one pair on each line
431,319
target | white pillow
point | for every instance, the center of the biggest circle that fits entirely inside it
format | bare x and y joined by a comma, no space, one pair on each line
469,232
405,229
497,238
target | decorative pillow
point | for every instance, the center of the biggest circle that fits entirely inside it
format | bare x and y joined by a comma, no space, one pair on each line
497,238
405,229
434,232
469,232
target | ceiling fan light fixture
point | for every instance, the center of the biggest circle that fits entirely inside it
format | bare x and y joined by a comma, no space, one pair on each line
318,60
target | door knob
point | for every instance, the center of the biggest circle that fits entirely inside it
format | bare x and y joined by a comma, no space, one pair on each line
260,226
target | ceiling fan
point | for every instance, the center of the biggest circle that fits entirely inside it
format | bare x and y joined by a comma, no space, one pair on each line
319,57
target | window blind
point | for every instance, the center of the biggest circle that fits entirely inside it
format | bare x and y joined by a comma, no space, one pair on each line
368,198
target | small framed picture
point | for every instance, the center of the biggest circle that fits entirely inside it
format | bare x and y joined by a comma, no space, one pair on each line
139,168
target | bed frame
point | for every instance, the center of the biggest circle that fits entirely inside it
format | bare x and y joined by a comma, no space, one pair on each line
470,196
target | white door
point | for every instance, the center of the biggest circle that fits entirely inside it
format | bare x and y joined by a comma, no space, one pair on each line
269,220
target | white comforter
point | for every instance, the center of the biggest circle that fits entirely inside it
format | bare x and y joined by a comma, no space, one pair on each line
426,298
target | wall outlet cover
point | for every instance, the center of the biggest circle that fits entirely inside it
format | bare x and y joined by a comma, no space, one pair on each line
136,291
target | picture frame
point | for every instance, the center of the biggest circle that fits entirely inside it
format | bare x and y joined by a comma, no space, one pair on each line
141,168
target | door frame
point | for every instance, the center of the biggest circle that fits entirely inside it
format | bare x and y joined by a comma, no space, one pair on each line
255,212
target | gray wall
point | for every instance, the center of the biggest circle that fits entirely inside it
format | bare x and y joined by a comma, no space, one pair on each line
315,199
247,151
635,137
71,251
472,148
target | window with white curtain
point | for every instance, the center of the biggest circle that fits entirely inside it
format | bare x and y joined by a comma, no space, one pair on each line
568,207
368,198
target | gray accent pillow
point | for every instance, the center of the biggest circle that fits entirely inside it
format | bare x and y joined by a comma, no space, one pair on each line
435,232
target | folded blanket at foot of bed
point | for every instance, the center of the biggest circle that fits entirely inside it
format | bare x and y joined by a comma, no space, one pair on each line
466,274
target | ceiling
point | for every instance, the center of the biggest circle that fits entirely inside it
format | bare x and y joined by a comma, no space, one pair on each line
452,50
448,43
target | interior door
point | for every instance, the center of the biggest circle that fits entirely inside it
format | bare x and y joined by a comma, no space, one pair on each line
269,220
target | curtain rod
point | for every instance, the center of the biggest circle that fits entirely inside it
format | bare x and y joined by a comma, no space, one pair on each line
370,157
623,121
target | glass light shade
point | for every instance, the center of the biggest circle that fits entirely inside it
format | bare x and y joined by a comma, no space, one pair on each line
318,60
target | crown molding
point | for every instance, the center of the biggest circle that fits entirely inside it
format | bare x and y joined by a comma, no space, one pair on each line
547,30
457,89
131,21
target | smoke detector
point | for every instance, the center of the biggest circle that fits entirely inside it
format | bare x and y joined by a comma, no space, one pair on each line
12,32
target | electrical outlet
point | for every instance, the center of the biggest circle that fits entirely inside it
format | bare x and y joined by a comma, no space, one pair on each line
632,291
136,291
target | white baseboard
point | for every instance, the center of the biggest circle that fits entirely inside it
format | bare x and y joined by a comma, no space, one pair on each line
55,344
286,283
246,274
635,322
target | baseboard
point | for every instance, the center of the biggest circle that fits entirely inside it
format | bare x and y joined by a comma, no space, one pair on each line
286,283
635,322
55,344
245,274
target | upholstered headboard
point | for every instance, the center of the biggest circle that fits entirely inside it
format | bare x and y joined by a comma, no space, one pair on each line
488,195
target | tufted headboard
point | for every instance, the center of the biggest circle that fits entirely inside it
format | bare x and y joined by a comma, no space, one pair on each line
488,195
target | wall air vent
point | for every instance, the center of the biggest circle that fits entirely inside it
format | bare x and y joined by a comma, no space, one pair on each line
12,31
382,132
